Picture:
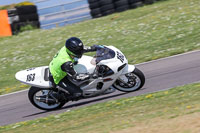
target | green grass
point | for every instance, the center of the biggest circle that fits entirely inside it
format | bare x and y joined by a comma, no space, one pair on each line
120,114
147,33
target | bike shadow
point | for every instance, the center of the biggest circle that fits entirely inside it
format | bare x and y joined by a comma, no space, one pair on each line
80,104
96,100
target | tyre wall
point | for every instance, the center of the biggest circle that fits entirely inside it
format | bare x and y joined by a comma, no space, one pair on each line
22,16
99,8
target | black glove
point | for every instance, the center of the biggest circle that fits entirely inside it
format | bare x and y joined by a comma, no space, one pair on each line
82,77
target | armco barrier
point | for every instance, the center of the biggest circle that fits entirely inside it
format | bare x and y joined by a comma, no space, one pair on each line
62,13
5,29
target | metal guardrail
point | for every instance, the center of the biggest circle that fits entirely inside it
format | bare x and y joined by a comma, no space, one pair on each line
39,1
66,3
62,12
66,15
56,23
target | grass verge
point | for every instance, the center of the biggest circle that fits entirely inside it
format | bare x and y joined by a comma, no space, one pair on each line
175,110
146,33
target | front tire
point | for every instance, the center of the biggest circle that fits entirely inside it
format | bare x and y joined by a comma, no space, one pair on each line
130,82
35,92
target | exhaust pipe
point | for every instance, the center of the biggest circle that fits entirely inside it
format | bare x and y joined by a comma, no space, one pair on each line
45,100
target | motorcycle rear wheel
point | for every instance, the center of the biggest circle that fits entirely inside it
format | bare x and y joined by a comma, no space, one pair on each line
35,92
131,81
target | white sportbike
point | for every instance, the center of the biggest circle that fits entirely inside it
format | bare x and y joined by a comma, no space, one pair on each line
109,70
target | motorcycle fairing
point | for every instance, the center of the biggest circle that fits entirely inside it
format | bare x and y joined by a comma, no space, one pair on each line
34,77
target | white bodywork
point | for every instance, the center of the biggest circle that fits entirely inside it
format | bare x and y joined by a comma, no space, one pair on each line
36,76
33,77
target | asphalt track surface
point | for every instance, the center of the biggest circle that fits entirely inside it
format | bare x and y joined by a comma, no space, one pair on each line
160,75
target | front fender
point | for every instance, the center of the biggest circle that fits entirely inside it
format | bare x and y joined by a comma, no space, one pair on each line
128,69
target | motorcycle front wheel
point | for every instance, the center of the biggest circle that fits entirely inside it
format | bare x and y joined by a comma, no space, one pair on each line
44,99
129,82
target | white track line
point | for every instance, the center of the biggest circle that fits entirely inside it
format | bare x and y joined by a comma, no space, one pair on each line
13,93
136,64
190,52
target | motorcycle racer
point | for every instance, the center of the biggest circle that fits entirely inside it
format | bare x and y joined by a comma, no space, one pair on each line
62,66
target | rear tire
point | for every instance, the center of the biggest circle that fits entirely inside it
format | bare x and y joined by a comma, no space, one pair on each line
136,80
32,94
